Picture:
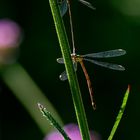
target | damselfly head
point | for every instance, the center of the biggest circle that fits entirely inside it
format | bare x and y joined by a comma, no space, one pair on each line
73,54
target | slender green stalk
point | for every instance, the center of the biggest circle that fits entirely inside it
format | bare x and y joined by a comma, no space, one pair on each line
52,121
73,82
119,116
26,91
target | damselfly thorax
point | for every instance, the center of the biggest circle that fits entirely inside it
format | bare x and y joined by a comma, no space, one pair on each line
76,58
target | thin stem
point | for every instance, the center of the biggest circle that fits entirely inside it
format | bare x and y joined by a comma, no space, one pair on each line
120,114
73,82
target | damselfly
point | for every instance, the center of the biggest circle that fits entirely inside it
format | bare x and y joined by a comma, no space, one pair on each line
90,57
64,5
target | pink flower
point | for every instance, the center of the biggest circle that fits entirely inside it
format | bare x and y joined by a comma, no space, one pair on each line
10,33
10,38
73,132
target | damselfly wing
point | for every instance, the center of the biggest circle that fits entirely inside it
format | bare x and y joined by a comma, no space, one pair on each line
86,3
63,6
63,75
90,58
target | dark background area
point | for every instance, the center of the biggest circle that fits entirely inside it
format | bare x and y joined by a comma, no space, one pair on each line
108,27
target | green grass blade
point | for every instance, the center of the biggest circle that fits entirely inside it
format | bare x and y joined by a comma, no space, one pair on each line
120,114
73,82
52,121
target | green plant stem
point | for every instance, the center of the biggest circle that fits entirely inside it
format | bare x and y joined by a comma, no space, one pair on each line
73,82
120,114
26,91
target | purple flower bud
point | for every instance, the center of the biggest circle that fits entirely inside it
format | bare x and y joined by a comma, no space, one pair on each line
10,38
73,132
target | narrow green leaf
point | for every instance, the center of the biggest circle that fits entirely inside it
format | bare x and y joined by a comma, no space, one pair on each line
52,121
120,114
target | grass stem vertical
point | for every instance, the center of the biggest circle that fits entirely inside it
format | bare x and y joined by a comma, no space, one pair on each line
73,82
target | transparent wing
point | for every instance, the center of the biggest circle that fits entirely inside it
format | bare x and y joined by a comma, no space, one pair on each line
63,75
60,60
63,6
75,66
106,54
107,65
87,4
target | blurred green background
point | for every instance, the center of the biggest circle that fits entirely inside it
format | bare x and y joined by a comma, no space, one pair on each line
114,24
